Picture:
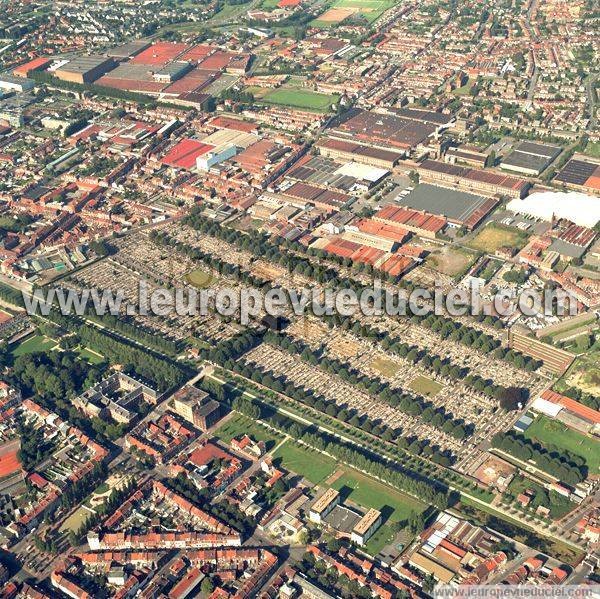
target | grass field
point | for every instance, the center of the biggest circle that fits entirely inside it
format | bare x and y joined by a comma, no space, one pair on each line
553,433
465,90
338,11
425,386
495,236
200,278
33,344
91,356
593,149
299,98
75,520
239,425
370,493
382,537
386,367
312,465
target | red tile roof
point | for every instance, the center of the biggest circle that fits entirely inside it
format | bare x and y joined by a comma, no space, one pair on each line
184,154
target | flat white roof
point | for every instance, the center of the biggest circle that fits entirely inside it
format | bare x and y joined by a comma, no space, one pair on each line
580,208
361,171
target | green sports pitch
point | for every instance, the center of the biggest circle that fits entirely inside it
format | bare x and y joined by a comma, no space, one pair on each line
554,434
300,98
336,12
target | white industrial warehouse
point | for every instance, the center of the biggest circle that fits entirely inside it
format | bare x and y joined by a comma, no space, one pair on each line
579,208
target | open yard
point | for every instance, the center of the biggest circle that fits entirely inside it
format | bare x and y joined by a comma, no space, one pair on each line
559,506
425,386
200,278
312,465
495,236
75,520
451,261
554,433
239,425
33,344
300,98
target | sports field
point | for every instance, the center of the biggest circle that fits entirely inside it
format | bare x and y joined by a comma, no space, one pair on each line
370,493
312,465
200,278
33,344
370,10
495,236
299,98
425,386
554,433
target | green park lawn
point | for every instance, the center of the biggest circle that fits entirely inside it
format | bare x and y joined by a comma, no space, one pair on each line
37,343
554,433
312,465
91,356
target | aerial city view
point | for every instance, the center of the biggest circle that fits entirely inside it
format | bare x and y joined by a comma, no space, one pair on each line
299,299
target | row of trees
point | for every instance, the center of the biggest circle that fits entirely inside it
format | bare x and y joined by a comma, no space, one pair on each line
10,295
162,372
307,397
564,466
414,455
406,402
432,362
411,444
274,250
148,338
587,399
213,262
393,473
79,490
116,498
34,449
232,348
329,579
